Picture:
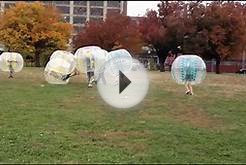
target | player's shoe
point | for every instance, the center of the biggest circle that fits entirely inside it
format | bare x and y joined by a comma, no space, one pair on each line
65,77
90,85
93,80
187,92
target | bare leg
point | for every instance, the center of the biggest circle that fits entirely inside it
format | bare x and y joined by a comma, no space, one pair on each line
89,75
190,88
11,74
187,88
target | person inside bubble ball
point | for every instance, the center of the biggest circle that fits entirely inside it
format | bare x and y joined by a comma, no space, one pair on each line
189,90
188,78
74,73
90,67
188,70
11,69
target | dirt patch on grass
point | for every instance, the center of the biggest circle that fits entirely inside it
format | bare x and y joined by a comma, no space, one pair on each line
196,118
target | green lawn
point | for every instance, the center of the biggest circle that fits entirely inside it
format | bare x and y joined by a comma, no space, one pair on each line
72,124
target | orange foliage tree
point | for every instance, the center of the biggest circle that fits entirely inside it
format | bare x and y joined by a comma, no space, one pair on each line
116,29
216,30
224,25
31,28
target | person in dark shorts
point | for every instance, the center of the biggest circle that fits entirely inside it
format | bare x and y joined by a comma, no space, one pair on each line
11,69
90,70
188,86
190,75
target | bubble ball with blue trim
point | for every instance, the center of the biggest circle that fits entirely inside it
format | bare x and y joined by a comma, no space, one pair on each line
188,69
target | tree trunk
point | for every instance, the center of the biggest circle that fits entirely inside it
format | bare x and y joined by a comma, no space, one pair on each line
161,61
218,59
37,58
216,55
218,65
161,53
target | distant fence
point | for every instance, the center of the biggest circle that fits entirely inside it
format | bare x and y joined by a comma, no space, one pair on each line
229,66
225,66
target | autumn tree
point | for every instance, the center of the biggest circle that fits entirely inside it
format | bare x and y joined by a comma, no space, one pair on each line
164,29
116,29
194,38
32,28
224,24
216,30
154,34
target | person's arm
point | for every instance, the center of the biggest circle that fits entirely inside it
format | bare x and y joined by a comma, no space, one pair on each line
11,61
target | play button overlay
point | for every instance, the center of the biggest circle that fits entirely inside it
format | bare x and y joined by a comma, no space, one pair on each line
124,81
122,85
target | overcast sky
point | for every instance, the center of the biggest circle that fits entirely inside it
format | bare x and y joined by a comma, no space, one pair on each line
138,8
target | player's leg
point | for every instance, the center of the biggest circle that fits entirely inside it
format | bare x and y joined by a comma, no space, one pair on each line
187,88
11,71
190,88
89,75
92,78
65,77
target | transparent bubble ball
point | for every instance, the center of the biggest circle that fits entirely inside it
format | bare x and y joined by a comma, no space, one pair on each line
58,67
188,68
63,55
88,57
121,60
11,58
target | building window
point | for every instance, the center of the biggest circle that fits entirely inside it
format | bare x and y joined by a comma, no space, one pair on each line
79,10
96,3
66,18
47,2
96,18
96,11
77,29
84,3
113,3
113,11
8,5
62,2
63,9
79,20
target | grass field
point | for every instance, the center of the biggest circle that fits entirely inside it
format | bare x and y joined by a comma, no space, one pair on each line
43,123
